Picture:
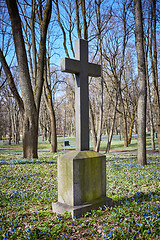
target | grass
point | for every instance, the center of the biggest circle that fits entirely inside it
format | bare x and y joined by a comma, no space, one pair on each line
29,186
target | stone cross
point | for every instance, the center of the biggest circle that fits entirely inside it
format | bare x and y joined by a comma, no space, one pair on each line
82,69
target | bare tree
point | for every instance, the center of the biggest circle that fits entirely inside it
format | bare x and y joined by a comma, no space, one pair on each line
150,108
142,83
154,68
30,101
49,104
130,92
115,65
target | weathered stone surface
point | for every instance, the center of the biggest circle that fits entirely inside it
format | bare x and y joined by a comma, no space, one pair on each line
81,177
78,211
81,182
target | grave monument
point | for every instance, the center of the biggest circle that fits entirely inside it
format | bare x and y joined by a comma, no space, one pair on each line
81,173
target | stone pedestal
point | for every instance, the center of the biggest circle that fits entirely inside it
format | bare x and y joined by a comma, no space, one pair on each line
81,183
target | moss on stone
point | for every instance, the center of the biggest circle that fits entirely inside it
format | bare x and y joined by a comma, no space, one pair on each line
81,177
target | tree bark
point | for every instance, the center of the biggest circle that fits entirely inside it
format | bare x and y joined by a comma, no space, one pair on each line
131,129
99,133
30,135
94,135
153,57
149,101
85,27
113,121
1,121
33,39
142,83
10,127
77,18
31,100
11,81
125,132
49,104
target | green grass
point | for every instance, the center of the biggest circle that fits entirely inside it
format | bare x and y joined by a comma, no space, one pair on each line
117,144
29,186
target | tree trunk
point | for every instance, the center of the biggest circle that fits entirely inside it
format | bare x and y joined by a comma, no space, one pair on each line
17,133
125,131
158,134
31,99
153,57
110,136
13,121
152,134
10,128
131,129
149,102
112,129
49,104
114,119
142,83
85,27
92,126
77,19
30,135
1,122
53,131
100,122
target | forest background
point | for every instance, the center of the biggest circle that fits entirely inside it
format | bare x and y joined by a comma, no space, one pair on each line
36,99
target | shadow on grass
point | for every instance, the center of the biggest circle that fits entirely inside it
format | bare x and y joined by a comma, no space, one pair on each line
11,150
138,197
111,157
118,146
27,161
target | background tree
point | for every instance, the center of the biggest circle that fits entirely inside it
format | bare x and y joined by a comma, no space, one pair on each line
31,96
154,63
114,54
130,91
142,96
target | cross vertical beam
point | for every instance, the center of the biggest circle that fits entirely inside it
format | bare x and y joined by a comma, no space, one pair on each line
82,96
82,69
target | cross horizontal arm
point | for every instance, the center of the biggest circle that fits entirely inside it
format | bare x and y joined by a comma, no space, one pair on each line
70,65
94,70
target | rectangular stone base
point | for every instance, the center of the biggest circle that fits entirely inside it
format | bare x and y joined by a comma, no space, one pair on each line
78,211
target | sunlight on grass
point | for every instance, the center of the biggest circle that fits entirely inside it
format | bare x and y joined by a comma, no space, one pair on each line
116,145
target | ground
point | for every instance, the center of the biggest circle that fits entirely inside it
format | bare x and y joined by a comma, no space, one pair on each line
29,186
